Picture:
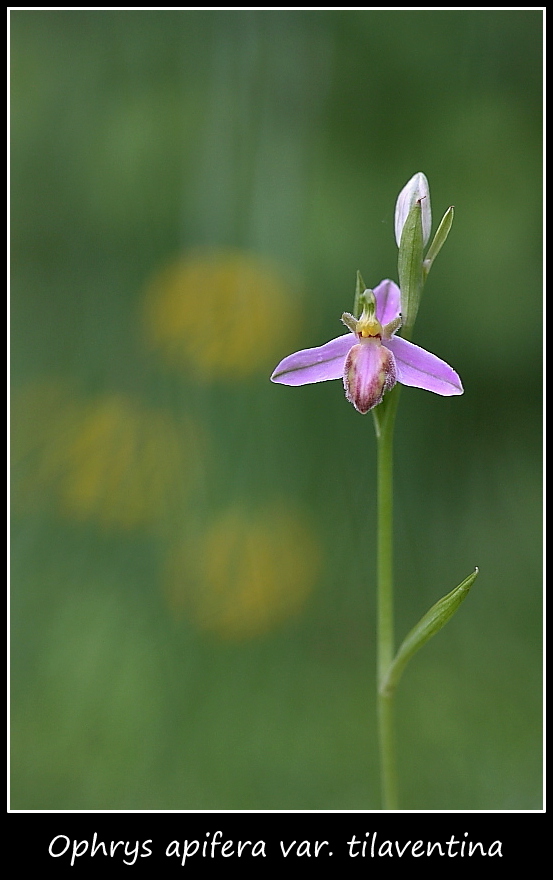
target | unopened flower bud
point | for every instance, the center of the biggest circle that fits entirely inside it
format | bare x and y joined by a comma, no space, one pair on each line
415,190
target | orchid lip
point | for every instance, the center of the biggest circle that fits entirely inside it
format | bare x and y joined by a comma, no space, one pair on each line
369,372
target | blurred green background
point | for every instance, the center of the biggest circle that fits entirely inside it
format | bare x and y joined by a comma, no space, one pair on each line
193,548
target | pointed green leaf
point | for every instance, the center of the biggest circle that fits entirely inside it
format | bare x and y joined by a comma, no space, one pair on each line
439,239
428,626
409,266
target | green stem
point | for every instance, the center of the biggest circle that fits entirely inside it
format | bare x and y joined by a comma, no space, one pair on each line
385,598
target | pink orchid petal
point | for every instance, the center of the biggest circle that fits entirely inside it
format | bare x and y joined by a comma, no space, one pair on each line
420,369
388,299
369,372
315,364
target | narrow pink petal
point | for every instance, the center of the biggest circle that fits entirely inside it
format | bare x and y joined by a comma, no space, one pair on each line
315,364
420,369
388,299
369,372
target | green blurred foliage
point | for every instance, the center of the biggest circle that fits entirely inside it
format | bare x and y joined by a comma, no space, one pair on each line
141,141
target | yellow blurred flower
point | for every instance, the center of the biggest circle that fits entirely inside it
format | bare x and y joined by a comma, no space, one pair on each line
246,573
219,314
127,463
110,460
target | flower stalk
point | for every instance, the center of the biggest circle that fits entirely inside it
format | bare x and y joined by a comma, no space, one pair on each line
373,360
385,600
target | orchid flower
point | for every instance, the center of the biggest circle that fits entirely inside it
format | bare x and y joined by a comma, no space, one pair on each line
371,358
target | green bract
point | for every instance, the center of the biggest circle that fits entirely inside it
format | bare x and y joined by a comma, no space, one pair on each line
409,264
439,240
